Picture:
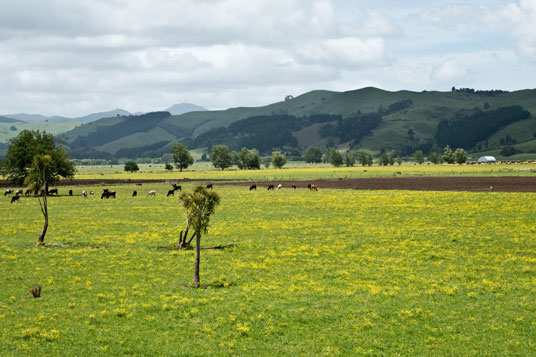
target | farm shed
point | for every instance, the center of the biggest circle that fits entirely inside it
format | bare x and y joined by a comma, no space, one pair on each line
486,159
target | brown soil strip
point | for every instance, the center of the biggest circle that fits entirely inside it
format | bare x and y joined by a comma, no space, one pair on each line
493,184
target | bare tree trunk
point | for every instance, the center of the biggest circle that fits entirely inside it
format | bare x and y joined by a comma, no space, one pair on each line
197,259
44,209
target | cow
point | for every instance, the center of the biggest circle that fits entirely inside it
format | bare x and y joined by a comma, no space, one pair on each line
54,191
152,193
19,192
294,186
253,187
27,192
84,194
176,187
209,186
15,198
135,193
279,186
271,187
313,187
170,193
108,194
91,193
8,192
70,192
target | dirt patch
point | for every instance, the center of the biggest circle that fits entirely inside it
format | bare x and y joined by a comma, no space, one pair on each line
494,184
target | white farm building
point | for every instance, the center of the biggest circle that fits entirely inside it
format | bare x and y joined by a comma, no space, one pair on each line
487,159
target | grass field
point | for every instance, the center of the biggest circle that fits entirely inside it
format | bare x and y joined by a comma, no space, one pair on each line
302,171
333,272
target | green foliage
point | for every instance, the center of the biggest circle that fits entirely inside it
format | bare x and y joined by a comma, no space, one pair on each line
278,159
349,159
181,156
131,166
364,158
418,157
352,128
200,205
448,155
221,157
168,167
508,150
249,159
384,159
27,145
460,156
334,157
313,155
434,157
466,132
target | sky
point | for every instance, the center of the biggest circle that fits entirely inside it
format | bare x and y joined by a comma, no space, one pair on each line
75,57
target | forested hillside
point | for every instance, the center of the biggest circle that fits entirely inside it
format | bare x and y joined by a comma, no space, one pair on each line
368,118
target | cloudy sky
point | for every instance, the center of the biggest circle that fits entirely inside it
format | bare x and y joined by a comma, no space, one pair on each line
74,57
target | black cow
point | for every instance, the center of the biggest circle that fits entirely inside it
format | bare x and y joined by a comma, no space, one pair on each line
15,198
294,186
209,186
27,192
54,191
271,187
19,192
253,187
135,193
70,192
108,194
170,193
176,187
8,192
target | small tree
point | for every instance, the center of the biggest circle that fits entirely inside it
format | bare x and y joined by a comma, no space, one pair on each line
221,157
418,157
460,156
181,156
364,158
33,159
131,166
313,155
249,159
384,159
334,157
168,167
448,155
278,159
434,157
349,160
200,205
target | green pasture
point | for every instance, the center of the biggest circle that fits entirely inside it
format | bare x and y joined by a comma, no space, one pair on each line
303,171
333,272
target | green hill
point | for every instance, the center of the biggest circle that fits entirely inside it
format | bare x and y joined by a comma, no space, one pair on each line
407,121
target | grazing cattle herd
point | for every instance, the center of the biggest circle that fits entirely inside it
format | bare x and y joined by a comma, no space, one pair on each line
106,193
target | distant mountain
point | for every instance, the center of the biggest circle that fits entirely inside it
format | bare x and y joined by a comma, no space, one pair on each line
182,108
9,120
30,118
367,118
97,116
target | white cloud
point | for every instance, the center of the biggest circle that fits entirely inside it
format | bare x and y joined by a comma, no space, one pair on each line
450,71
71,57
